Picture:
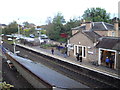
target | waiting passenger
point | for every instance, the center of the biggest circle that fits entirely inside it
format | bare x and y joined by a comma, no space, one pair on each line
78,56
107,60
52,50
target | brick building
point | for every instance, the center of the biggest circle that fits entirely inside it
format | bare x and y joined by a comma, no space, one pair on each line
85,38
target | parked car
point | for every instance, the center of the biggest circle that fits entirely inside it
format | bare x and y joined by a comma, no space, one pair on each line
9,39
32,36
11,66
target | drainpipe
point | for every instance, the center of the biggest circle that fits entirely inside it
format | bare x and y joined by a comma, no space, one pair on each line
116,27
117,61
99,57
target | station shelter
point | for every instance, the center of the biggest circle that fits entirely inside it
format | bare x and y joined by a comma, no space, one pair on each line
109,47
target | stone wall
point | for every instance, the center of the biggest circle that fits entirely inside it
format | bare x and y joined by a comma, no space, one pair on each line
102,33
81,39
74,31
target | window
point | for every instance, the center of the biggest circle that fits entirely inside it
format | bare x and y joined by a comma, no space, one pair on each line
80,49
113,33
84,52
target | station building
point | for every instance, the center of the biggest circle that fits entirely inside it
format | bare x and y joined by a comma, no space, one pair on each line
94,40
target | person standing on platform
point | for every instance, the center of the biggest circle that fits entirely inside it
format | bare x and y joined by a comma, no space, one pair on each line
65,54
112,61
77,56
80,58
52,50
107,60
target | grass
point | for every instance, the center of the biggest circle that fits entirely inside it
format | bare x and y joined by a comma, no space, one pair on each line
9,42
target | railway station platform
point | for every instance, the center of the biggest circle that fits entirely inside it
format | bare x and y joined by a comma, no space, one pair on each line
39,77
100,69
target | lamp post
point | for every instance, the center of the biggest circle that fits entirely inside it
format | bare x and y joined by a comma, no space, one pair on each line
14,47
14,44
18,29
39,34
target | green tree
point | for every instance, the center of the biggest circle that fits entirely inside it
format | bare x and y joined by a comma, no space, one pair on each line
59,19
55,27
49,20
28,28
96,15
26,24
49,30
11,28
71,24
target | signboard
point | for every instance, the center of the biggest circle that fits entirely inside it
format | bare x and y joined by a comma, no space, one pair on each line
70,46
89,52
119,52
17,52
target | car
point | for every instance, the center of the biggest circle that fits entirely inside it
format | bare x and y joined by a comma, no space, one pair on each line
11,66
32,36
9,39
9,63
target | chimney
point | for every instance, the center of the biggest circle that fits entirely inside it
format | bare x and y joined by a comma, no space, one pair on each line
88,25
116,27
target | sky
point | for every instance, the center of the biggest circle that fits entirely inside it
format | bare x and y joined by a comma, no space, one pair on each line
37,11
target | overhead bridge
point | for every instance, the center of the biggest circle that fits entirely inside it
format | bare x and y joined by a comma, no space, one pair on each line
40,76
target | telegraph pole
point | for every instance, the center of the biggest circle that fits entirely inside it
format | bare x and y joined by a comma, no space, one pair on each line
18,28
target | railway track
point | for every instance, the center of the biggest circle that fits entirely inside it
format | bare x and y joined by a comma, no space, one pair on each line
79,74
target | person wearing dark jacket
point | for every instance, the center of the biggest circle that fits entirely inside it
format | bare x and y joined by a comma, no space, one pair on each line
52,50
77,56
112,61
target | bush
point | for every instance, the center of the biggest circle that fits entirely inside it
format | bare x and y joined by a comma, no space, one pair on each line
62,40
5,86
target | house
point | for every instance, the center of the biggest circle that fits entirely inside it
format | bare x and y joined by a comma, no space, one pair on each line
85,38
102,28
3,26
83,43
38,30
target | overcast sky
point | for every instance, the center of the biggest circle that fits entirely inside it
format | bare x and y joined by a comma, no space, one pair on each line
37,11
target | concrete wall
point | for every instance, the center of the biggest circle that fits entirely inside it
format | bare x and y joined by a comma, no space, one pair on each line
35,81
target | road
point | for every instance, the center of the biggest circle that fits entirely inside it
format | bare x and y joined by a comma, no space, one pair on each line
75,73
